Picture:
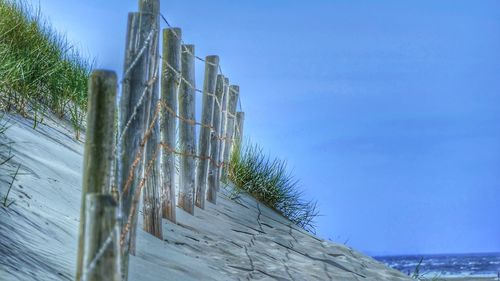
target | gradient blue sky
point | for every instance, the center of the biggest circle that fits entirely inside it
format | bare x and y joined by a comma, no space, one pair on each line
387,111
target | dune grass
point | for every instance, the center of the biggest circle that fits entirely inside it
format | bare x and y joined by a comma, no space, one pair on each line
5,157
422,276
40,70
269,182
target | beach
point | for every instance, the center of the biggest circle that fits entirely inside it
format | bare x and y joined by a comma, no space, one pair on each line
239,238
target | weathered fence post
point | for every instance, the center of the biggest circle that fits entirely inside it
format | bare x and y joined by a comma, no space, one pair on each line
234,92
152,208
225,102
187,131
134,106
171,67
101,257
99,146
151,200
238,134
209,83
213,171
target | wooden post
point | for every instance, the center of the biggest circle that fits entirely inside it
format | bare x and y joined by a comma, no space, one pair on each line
101,258
187,131
151,200
150,6
213,171
225,102
238,134
99,145
134,114
152,211
234,92
209,83
171,67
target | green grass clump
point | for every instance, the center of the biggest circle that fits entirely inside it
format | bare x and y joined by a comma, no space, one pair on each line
39,69
269,182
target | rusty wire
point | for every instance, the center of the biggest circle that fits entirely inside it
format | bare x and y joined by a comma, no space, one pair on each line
160,105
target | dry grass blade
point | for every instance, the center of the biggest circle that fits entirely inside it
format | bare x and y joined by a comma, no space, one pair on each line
6,198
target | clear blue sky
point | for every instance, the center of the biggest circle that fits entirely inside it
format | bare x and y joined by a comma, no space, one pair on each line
388,111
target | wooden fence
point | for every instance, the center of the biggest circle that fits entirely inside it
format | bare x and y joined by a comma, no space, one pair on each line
132,151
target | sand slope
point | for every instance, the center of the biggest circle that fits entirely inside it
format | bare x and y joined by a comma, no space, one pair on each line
235,240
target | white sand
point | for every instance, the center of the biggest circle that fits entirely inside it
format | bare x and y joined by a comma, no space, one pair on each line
241,240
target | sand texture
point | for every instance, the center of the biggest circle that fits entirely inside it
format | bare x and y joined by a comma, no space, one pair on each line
234,240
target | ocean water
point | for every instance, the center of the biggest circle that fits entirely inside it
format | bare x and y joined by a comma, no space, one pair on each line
459,265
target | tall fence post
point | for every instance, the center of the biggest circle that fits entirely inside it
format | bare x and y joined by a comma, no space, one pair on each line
170,82
213,171
98,155
238,134
209,83
225,102
134,113
152,208
234,92
187,131
151,199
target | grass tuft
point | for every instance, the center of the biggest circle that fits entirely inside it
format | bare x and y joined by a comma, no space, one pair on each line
269,182
40,70
422,276
5,157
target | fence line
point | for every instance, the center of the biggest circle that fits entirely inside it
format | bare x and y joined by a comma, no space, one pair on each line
217,99
196,57
146,140
135,84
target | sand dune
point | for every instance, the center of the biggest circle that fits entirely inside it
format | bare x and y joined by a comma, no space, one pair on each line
234,240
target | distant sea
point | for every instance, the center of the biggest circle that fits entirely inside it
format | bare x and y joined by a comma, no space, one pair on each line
451,265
